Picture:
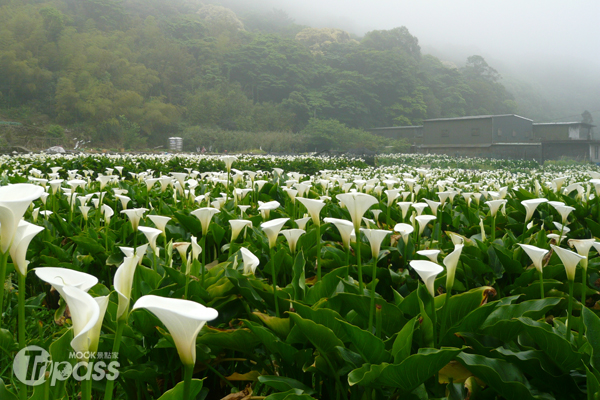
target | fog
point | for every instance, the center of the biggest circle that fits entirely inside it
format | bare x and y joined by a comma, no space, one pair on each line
554,45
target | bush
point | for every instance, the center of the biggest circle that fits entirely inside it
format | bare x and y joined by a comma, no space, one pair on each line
56,131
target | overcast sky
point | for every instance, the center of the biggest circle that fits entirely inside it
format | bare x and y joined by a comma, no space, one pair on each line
501,29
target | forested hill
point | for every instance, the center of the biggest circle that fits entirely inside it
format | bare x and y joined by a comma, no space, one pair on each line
123,71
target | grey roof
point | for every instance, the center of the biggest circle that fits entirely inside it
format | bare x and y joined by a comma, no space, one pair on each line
398,127
564,123
476,117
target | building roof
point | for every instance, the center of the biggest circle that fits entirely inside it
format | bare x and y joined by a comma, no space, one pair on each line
397,127
476,117
564,123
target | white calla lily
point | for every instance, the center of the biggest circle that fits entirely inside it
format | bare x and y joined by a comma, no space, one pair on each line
183,318
375,237
314,208
14,201
405,230
428,271
570,259
345,228
61,277
292,236
272,228
530,207
250,261
536,254
18,251
451,263
205,215
431,254
123,282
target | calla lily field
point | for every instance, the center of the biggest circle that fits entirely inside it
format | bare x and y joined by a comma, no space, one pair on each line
238,277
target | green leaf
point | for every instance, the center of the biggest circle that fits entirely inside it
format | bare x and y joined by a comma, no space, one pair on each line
59,352
403,343
555,346
323,316
89,245
320,336
593,386
299,280
7,341
4,393
293,394
326,287
592,334
282,383
369,346
281,326
407,375
272,343
426,307
242,340
460,305
177,392
503,377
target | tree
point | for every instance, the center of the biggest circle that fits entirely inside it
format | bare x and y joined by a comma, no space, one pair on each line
397,39
477,68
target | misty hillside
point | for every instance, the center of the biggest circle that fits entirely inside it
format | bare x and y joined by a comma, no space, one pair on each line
134,72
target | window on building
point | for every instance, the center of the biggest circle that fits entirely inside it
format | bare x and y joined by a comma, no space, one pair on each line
499,132
475,132
445,133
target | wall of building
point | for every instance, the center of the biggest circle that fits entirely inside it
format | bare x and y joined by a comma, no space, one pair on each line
412,134
458,131
512,129
569,149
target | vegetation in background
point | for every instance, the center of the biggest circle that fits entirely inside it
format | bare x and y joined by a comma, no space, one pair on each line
131,73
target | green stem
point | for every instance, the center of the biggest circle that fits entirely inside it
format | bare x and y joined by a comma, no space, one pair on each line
108,392
3,261
347,261
358,260
272,251
541,284
86,388
493,232
445,311
570,311
319,253
583,297
188,371
378,321
21,333
373,284
203,266
434,321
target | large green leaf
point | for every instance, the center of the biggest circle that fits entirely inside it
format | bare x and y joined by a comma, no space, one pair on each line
403,343
273,344
326,287
323,316
177,392
4,393
593,385
283,383
293,394
320,336
555,346
504,378
242,340
407,375
369,346
592,334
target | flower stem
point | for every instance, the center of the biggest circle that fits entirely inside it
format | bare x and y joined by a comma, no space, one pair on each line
493,232
203,245
373,284
21,333
541,284
319,252
272,251
108,393
86,387
188,371
358,261
445,311
3,261
570,311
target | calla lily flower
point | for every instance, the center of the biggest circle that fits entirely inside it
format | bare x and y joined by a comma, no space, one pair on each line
404,206
151,235
405,230
272,228
530,206
205,215
124,200
428,271
432,254
160,222
196,249
451,262
357,204
583,247
536,254
562,209
292,236
495,205
433,205
134,215
570,259
250,261
108,212
423,220
344,227
18,251
183,318
123,282
61,277
314,207
375,237
301,222
87,314
237,225
181,248
14,201
228,160
392,194
266,208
